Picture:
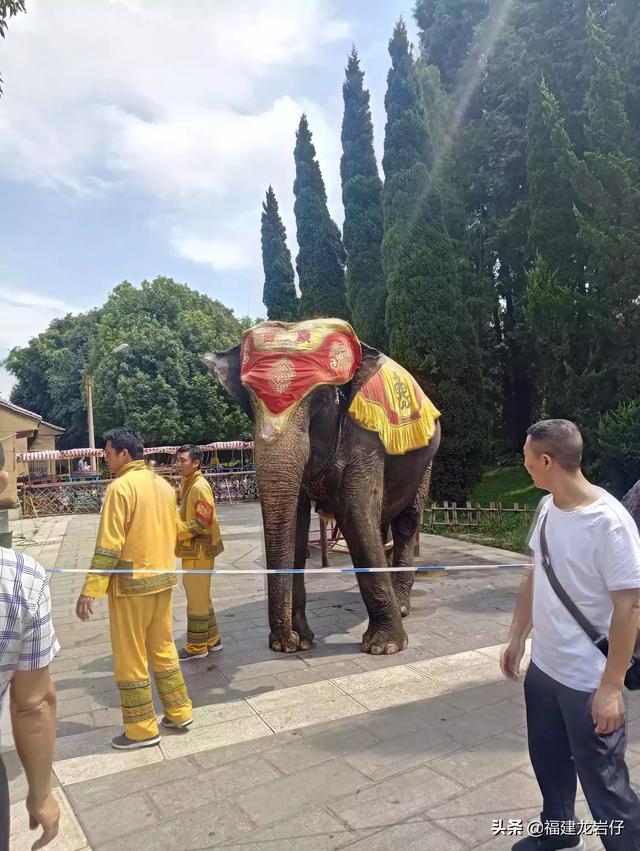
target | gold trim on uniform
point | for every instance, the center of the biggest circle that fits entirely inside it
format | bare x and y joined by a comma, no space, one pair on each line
150,584
136,701
171,688
104,560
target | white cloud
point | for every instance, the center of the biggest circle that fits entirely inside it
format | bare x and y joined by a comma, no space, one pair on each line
18,298
81,77
187,103
24,316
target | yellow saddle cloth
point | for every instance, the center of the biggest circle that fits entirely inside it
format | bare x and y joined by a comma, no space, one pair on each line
393,404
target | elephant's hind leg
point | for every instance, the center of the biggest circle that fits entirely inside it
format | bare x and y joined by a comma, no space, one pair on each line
404,529
298,614
359,520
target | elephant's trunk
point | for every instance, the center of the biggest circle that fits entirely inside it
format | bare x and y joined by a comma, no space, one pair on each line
280,465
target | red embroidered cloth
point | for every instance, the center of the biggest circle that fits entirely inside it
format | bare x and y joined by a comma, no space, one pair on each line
283,362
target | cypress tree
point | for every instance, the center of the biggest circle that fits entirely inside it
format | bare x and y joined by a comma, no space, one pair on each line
553,228
321,259
279,293
607,128
429,328
591,343
554,302
608,186
362,199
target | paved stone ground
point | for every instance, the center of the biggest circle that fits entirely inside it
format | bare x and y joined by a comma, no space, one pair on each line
318,750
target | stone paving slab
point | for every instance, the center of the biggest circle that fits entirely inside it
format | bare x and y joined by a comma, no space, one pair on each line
70,836
320,750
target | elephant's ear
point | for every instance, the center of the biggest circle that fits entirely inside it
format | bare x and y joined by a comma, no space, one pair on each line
369,365
225,366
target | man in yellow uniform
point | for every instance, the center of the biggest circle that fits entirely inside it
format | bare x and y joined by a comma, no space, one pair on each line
136,538
199,542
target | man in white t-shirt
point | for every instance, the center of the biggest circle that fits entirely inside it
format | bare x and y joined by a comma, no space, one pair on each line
573,694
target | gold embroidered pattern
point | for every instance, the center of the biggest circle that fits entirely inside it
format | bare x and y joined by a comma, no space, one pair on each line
281,375
340,357
136,701
197,629
201,545
171,688
150,583
104,560
403,396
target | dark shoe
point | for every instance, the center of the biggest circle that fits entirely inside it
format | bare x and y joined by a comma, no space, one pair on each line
217,646
549,843
171,725
185,656
124,743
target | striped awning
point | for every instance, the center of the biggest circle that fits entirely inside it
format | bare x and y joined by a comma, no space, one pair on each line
66,454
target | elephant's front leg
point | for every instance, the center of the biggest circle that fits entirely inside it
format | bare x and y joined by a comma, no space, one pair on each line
282,638
299,617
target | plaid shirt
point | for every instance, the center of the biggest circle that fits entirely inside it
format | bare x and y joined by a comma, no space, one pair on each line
27,639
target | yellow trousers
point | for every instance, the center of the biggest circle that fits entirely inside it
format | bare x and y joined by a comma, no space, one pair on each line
202,628
142,633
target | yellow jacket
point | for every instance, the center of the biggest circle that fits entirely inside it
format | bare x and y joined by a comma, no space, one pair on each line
198,529
137,532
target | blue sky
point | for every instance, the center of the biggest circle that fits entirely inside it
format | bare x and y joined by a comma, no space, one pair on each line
137,138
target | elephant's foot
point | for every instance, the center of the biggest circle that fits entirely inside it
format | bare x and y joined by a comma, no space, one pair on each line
284,642
382,641
305,632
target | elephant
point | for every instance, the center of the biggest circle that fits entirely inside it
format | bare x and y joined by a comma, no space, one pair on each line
324,456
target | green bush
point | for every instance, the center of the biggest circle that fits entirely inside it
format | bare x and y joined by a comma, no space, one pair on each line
618,464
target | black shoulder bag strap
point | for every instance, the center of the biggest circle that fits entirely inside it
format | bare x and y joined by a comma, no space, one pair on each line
598,638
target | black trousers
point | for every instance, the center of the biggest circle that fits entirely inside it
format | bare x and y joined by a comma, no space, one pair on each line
563,743
4,808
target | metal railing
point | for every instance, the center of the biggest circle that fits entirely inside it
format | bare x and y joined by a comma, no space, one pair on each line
87,497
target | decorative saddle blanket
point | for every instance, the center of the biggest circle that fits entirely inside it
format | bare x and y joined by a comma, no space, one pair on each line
393,404
283,362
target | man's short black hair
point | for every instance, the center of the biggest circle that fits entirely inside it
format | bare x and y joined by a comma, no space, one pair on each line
1,456
561,440
125,438
195,453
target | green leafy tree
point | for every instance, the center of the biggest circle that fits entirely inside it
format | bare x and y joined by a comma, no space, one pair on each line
321,259
160,387
429,328
618,465
362,199
50,374
279,293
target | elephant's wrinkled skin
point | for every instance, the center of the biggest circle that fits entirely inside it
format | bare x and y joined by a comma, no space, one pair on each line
325,457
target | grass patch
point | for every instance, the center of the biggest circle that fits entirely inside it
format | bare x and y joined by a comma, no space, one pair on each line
511,534
506,485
